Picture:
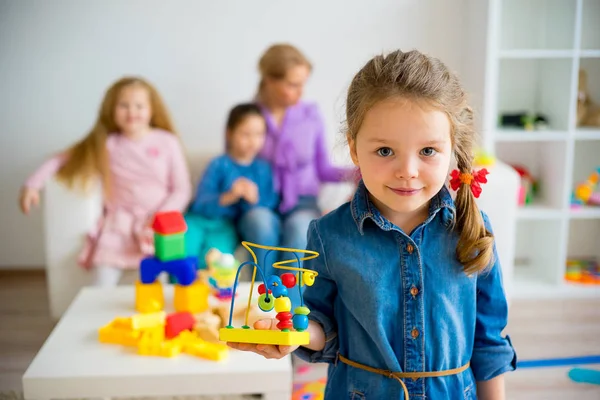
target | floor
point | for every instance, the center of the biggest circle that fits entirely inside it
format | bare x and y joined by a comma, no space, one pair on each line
539,329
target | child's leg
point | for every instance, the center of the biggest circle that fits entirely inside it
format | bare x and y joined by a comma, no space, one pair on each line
261,226
106,276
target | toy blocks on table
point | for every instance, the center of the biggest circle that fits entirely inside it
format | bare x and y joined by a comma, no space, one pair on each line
183,269
149,298
119,332
177,323
191,298
168,223
169,247
149,320
210,351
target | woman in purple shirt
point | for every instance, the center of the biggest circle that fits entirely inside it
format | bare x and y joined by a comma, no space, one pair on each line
296,148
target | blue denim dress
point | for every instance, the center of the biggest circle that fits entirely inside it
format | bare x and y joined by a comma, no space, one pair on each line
402,303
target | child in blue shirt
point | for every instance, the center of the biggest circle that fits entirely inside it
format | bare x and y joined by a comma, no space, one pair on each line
232,184
409,300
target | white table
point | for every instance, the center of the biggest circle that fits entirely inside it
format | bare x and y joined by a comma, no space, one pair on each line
73,364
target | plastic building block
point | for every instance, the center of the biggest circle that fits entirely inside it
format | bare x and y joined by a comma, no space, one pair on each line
183,269
169,247
210,351
241,335
192,298
119,332
178,322
152,343
150,320
149,297
168,223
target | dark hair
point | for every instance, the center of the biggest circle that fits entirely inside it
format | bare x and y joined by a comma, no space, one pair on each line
239,113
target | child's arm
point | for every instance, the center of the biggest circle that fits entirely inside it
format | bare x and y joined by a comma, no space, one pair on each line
30,192
493,354
492,389
180,187
267,196
210,200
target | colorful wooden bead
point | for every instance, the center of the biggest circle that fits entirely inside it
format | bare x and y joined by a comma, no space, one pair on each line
265,303
308,278
284,315
276,287
286,324
302,310
283,304
300,322
288,280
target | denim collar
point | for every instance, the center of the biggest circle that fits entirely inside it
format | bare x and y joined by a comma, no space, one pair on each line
363,208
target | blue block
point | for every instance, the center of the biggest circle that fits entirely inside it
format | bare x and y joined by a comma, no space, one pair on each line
184,269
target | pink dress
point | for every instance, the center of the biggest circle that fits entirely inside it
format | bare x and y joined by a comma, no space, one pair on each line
146,175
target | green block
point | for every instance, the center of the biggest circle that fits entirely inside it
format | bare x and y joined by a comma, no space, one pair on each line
169,247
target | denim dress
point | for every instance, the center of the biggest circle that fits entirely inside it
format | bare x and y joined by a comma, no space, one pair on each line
400,302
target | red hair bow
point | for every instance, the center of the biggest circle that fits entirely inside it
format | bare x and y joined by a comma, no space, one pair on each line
474,180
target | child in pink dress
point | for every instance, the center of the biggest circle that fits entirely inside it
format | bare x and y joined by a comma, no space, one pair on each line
137,155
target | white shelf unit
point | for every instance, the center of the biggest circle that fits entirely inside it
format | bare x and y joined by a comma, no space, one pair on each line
533,51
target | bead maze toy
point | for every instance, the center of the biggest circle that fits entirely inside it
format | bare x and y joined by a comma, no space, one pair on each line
273,294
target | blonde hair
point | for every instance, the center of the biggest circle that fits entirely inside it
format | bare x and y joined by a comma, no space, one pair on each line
277,61
88,159
418,77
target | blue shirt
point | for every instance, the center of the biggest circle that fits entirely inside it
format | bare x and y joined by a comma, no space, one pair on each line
402,302
218,179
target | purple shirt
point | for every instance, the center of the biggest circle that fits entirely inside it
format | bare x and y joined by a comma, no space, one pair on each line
298,154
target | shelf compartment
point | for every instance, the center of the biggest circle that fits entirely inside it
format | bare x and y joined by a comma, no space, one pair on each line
590,17
537,24
545,161
538,86
521,135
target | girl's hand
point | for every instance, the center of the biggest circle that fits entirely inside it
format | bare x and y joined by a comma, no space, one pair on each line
265,350
28,198
251,192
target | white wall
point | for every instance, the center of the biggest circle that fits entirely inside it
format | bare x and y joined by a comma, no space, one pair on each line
58,57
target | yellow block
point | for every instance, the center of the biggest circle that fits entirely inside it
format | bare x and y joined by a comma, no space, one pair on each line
118,333
150,320
240,335
192,298
152,343
149,297
210,351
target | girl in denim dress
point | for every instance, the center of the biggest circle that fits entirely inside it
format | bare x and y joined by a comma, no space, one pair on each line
409,300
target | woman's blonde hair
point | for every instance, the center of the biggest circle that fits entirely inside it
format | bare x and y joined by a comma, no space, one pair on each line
277,61
88,159
418,77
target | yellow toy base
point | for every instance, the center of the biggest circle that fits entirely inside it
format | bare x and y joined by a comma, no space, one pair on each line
240,335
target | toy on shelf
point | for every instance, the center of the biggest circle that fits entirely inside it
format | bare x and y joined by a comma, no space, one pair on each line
584,193
583,270
588,112
527,121
158,334
273,294
484,159
191,293
221,271
528,187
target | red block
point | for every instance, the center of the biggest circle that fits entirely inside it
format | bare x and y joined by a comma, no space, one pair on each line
178,322
169,223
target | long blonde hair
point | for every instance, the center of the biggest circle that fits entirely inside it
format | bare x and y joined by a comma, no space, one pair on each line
415,76
88,159
277,61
